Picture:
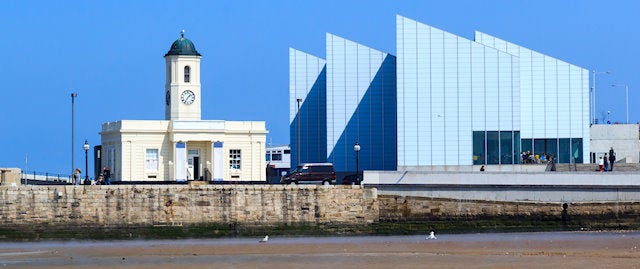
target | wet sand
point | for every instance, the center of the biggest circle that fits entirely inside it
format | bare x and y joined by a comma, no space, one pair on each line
517,250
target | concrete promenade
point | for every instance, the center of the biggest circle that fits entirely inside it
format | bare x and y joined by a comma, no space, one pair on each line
509,186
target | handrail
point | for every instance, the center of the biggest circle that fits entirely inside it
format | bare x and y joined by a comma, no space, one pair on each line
44,176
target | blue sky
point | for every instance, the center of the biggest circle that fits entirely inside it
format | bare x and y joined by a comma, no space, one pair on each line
111,54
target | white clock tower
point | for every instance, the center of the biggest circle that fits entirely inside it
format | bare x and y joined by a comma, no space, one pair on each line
182,89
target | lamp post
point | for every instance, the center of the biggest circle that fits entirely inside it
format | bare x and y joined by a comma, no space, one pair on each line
626,86
356,148
86,161
298,100
73,97
594,92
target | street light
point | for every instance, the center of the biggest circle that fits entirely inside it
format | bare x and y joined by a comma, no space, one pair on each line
298,100
594,92
73,96
626,86
356,148
86,161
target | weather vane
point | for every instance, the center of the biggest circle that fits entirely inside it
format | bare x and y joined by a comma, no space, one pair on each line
182,33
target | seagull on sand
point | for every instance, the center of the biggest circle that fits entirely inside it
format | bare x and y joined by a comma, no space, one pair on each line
264,240
431,236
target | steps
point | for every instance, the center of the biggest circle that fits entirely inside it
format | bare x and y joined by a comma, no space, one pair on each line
592,167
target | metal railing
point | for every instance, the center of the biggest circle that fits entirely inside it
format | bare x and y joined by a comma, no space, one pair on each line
27,177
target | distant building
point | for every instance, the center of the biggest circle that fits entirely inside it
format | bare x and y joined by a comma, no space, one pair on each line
278,160
347,99
183,146
623,138
444,100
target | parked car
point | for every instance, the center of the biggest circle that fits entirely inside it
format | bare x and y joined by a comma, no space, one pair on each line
351,180
311,172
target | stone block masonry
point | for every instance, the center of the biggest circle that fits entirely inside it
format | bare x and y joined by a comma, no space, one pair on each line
175,205
28,210
607,215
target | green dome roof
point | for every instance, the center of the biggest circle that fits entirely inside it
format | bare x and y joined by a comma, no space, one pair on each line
183,46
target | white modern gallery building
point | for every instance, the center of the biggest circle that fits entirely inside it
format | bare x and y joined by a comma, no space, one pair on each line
183,146
442,100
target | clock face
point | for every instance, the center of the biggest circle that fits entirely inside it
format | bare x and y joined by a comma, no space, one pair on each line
188,97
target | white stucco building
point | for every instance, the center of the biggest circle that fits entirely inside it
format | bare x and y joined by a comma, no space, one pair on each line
183,146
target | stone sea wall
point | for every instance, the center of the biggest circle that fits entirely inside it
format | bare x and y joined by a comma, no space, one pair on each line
244,209
147,205
623,215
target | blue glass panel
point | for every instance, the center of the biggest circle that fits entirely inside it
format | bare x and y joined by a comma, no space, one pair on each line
516,146
506,147
478,147
576,149
551,147
493,150
564,155
311,133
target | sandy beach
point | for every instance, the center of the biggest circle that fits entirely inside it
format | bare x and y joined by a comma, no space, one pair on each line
501,250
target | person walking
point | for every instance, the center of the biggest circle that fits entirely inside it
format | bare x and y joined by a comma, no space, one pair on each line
606,163
107,175
612,158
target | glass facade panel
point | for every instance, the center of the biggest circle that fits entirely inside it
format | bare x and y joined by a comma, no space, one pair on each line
526,145
576,149
551,147
479,147
516,147
563,149
564,153
538,148
361,84
506,147
493,147
307,108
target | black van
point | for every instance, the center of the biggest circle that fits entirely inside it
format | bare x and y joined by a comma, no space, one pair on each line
311,172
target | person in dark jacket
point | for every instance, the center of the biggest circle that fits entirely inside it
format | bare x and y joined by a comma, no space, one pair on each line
612,158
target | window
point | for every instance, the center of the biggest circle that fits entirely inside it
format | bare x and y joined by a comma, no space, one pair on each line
276,157
478,147
506,147
187,74
152,160
234,159
268,157
564,155
576,149
493,150
497,147
287,151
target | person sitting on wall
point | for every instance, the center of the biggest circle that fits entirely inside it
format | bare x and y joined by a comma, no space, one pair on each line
482,168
